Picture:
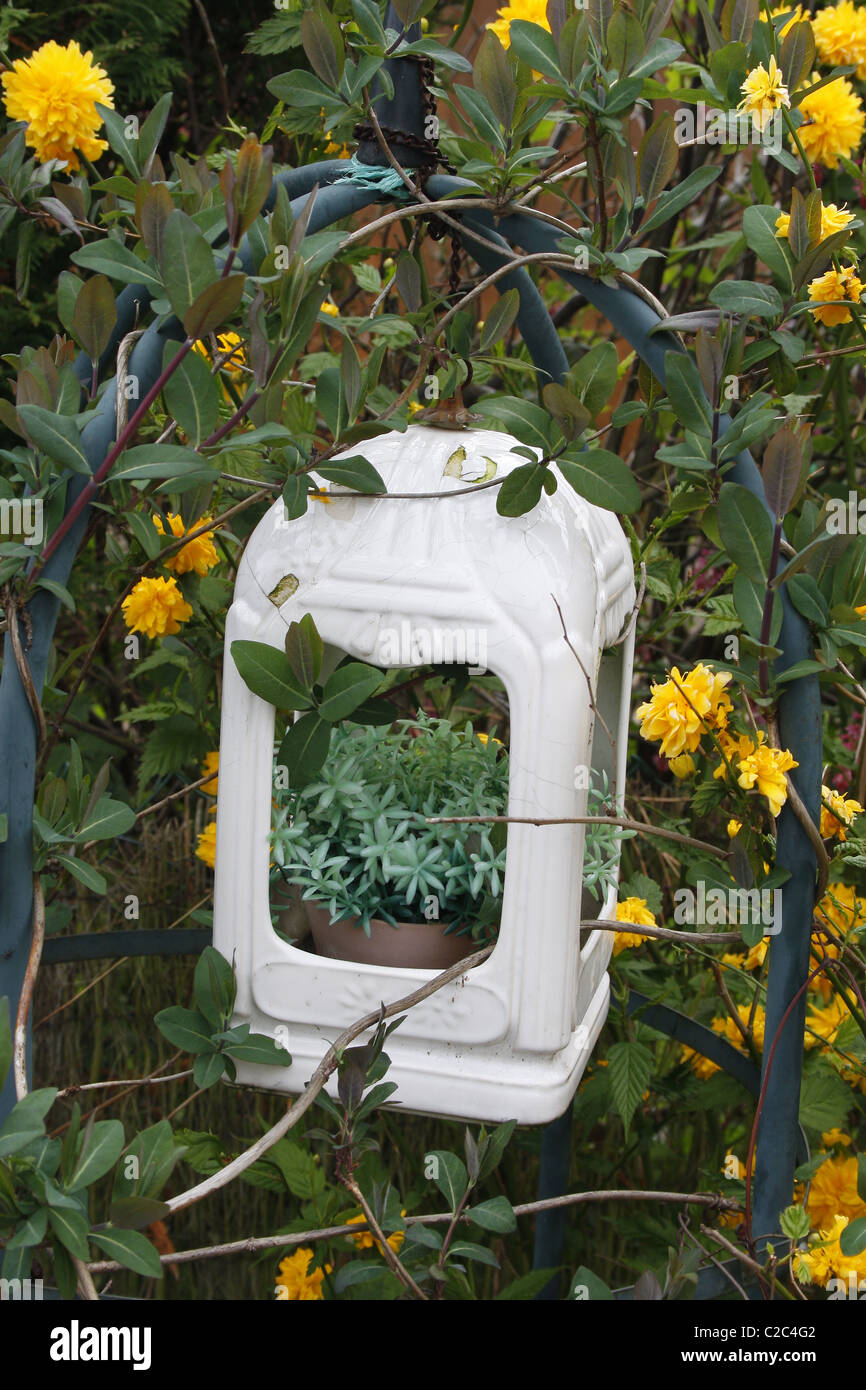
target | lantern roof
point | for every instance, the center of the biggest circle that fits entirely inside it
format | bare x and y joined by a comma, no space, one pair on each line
471,562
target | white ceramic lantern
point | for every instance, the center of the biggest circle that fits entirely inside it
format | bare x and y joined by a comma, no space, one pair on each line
511,1037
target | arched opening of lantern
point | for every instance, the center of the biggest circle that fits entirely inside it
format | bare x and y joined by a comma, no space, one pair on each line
511,1036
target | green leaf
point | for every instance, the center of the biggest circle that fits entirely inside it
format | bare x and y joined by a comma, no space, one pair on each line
496,1214
304,749
494,1146
207,1069
684,195
521,490
852,1241
296,496
782,469
596,1289
355,473
536,46
745,529
267,672
185,1028
58,591
657,157
85,873
629,1070
157,1153
470,1251
305,650
593,376
686,393
101,1148
747,297
494,79
56,436
131,1249
214,987
134,1213
213,305
261,1051
191,395
523,419
527,1287
71,1229
347,688
759,229
825,1099
30,1231
450,1176
115,260
150,462
323,45
107,820
603,479
186,262
94,317
500,318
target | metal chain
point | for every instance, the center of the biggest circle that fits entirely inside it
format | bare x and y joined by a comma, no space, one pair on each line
428,146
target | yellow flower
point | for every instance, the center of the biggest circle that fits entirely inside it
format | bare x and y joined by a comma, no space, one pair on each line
767,768
734,826
415,406
294,1281
632,910
831,286
764,93
702,1066
156,607
833,1192
833,219
226,342
825,1022
818,1263
833,123
206,848
55,91
754,958
364,1240
681,708
736,746
840,36
837,814
841,908
683,766
211,764
485,738
533,10
330,309
199,555
835,1136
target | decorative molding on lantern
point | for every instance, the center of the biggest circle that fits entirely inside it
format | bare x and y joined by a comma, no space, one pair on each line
511,1037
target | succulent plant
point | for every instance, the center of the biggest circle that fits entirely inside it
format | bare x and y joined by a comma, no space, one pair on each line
356,838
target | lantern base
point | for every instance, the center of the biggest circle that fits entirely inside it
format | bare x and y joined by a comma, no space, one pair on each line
492,1083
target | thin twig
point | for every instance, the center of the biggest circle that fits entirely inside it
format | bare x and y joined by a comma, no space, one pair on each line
254,1243
390,1256
622,821
592,704
27,987
318,1080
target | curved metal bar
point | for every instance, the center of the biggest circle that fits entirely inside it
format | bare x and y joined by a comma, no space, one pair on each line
800,730
17,729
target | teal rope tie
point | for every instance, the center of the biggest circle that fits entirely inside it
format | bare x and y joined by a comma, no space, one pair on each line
379,178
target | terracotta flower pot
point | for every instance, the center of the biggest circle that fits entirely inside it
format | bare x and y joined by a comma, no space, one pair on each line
292,918
421,945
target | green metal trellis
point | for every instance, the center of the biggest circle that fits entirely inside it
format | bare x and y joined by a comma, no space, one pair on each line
633,319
